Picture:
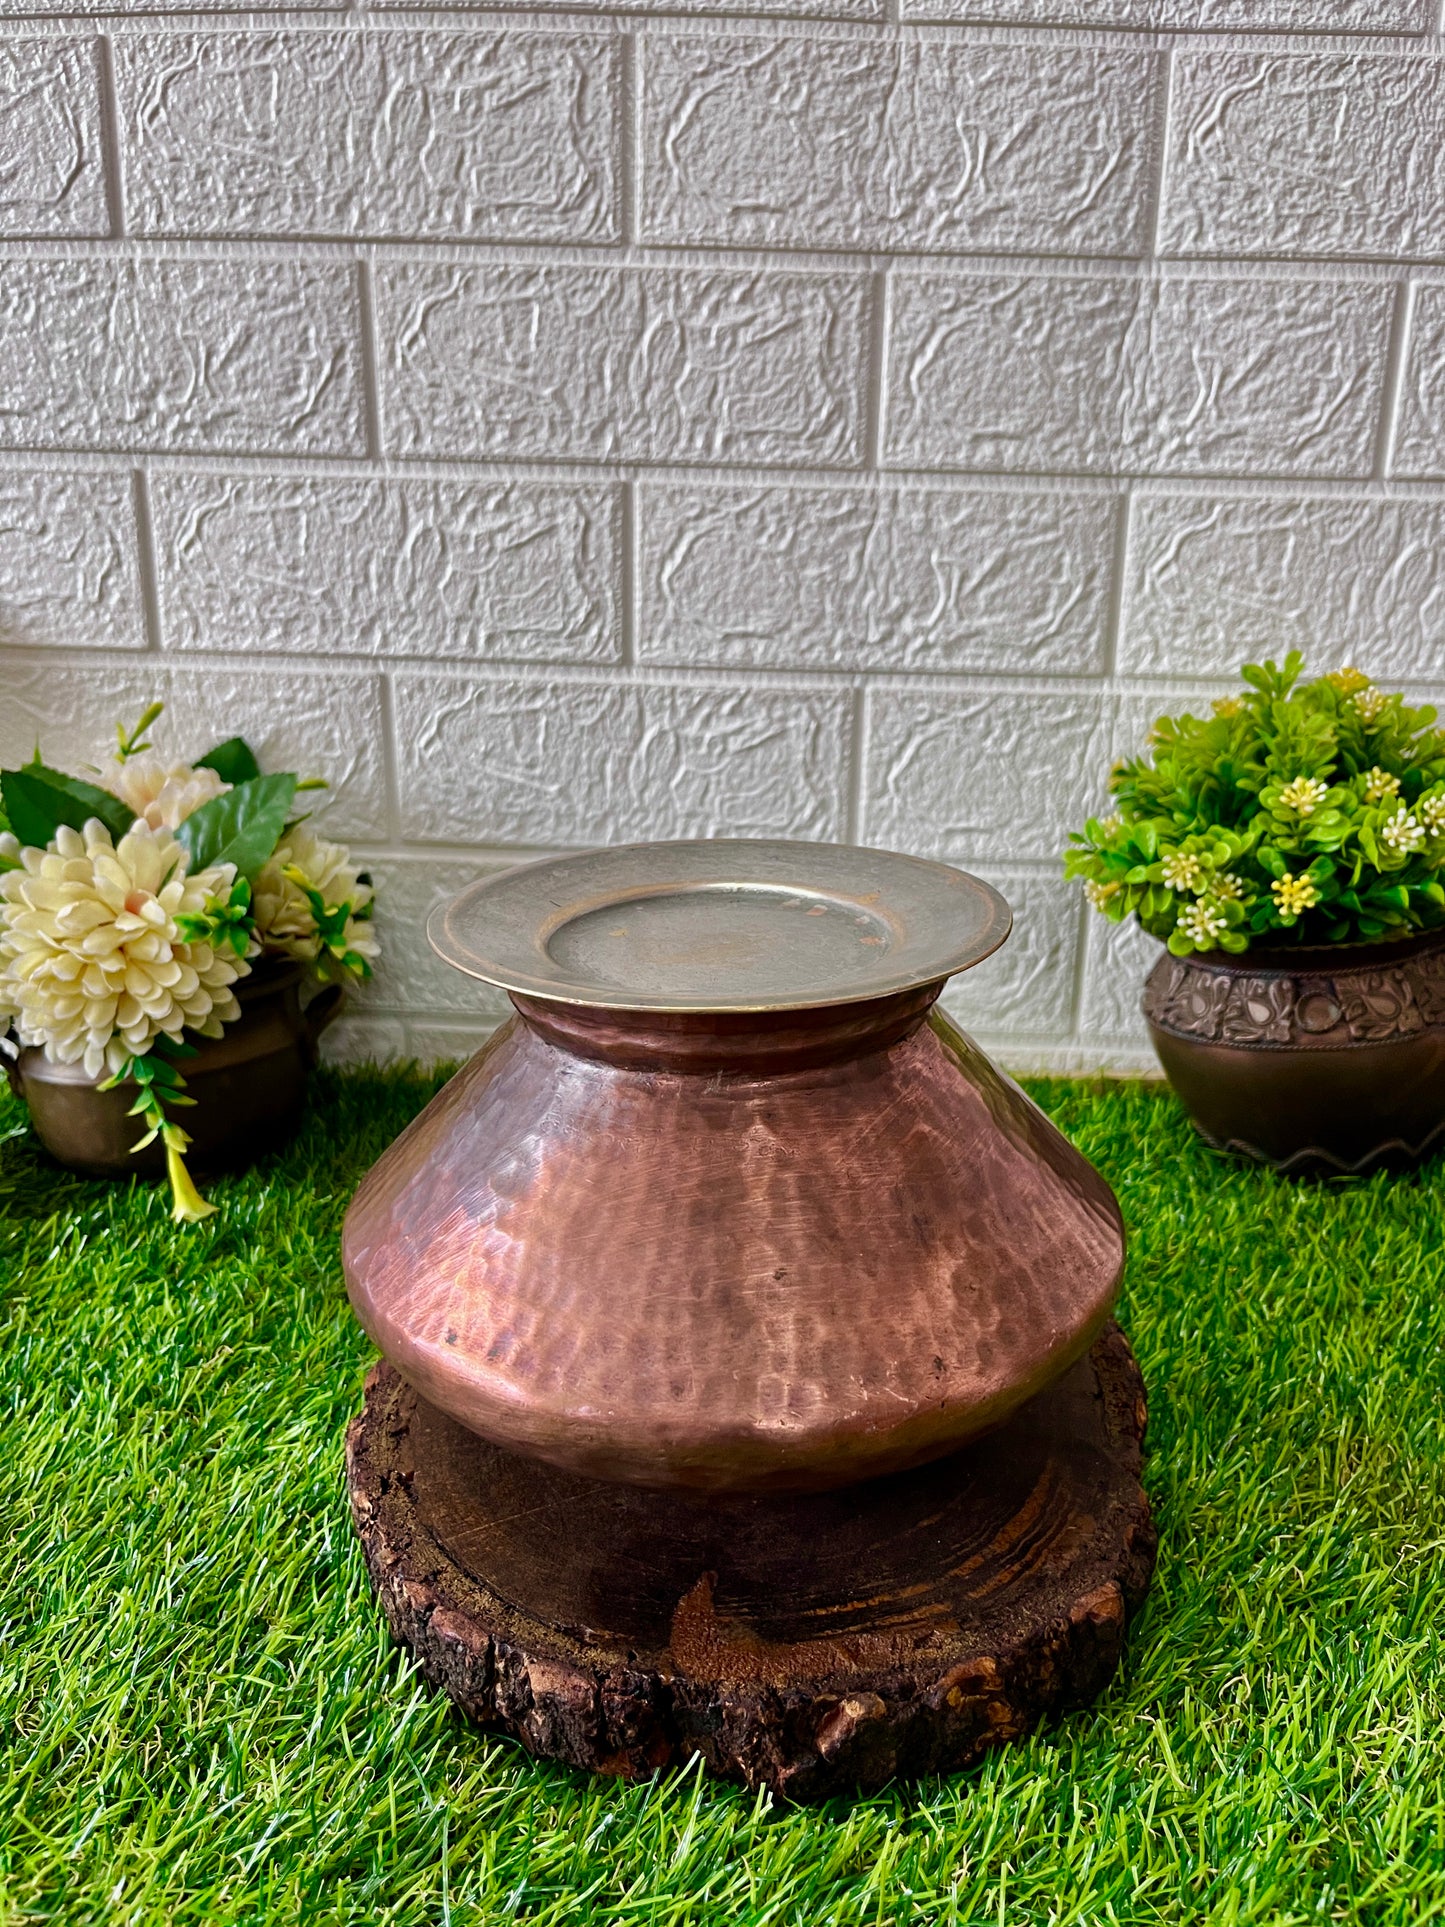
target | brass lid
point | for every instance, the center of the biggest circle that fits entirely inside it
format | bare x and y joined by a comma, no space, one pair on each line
720,924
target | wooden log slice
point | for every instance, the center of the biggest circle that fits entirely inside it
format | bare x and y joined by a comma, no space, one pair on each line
809,1643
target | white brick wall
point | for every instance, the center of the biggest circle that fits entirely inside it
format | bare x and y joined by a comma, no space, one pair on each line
831,418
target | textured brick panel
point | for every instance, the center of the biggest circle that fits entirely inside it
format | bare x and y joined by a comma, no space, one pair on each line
905,145
1420,435
890,579
667,365
360,1038
51,171
319,725
448,1043
1200,16
410,975
992,775
1215,583
1107,374
577,763
1319,154
517,570
68,570
195,354
1117,959
1027,988
498,136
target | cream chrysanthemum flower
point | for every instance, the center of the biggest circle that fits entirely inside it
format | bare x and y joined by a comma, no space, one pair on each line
93,954
162,796
284,916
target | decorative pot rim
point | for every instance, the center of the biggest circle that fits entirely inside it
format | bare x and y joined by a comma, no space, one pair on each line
1310,959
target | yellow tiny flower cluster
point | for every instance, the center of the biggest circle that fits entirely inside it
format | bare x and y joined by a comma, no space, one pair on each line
1294,895
1228,706
1348,680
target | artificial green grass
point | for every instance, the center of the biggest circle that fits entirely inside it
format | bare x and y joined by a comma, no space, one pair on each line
201,1719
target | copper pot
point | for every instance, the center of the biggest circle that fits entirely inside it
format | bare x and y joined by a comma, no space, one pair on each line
249,1085
731,1247
1319,1059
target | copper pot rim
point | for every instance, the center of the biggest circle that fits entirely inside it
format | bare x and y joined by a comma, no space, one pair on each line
931,920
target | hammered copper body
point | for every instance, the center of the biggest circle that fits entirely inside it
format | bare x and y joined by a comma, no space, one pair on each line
776,1250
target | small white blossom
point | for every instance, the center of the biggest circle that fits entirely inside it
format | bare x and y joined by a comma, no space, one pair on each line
1431,812
1098,893
1202,922
1182,870
1403,832
1227,885
1379,784
1304,795
1368,702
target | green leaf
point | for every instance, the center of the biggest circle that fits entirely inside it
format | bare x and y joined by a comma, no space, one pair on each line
233,761
39,800
242,827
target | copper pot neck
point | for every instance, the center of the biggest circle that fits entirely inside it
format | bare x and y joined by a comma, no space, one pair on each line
750,1043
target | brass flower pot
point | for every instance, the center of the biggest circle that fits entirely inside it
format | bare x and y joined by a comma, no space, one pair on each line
249,1086
1328,1059
728,1204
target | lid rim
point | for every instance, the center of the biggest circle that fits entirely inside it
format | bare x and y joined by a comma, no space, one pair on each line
929,964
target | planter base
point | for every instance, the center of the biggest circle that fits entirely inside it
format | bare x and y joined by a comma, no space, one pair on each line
1317,1160
812,1644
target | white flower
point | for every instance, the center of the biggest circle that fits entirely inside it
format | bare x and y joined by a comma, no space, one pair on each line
1304,795
1402,832
160,796
284,917
1379,784
91,953
1226,884
1099,894
1182,871
1431,812
1368,702
1202,922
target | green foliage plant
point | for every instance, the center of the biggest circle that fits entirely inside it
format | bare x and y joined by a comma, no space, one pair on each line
1296,813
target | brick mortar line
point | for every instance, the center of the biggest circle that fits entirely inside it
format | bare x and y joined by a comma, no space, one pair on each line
563,19
1397,361
726,679
147,560
569,474
694,258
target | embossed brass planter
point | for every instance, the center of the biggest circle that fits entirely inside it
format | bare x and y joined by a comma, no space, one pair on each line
728,1204
1329,1059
